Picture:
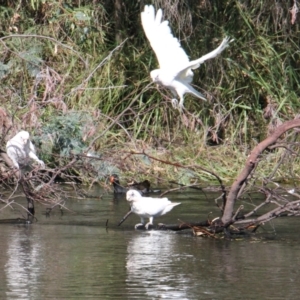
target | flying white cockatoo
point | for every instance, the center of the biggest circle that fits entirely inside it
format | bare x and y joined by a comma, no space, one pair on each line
175,71
20,150
148,207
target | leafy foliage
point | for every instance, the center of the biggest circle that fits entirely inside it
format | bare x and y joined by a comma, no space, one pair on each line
68,135
59,57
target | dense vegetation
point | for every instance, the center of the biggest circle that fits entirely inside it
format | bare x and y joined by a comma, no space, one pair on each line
76,75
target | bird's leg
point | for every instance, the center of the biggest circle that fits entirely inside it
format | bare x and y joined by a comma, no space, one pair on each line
174,102
149,223
180,105
140,224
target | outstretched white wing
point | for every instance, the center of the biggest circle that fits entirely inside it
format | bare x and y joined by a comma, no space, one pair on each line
194,64
167,48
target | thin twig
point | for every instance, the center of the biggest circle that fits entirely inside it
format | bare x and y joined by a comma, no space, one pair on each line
125,217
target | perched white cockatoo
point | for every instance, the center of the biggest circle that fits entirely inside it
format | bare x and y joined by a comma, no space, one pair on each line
175,71
148,207
20,150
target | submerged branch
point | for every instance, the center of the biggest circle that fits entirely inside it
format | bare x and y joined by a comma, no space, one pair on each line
125,217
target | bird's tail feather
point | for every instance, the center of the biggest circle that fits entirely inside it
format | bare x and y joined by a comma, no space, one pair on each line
191,90
170,207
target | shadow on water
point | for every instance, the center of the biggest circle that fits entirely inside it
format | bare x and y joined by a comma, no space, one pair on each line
74,255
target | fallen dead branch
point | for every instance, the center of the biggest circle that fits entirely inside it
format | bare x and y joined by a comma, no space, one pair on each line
280,204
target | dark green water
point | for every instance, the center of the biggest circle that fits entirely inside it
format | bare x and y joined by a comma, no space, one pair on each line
73,256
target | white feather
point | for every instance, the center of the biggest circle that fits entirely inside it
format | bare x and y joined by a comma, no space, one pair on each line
20,149
148,207
166,47
175,70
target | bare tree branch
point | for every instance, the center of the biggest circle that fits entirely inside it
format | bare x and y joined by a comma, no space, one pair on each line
251,163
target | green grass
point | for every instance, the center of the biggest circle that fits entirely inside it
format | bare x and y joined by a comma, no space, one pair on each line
82,68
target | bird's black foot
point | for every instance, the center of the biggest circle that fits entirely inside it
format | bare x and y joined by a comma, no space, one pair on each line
139,226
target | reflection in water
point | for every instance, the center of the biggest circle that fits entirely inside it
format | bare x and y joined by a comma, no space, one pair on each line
75,257
150,266
23,265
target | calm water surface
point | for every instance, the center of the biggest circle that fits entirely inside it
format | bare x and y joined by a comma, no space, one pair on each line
74,256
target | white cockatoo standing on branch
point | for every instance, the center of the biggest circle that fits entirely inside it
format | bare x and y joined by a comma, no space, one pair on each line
148,207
